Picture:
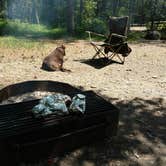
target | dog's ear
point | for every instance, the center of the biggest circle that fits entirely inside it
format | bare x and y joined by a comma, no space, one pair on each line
63,46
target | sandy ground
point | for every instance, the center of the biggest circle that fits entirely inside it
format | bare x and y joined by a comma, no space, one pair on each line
137,88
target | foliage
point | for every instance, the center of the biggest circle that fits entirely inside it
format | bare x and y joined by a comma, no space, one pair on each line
123,11
86,14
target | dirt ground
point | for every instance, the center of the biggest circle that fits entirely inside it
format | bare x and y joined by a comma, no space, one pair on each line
137,88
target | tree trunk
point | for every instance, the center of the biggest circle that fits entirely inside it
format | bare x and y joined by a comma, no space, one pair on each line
70,17
143,13
81,11
102,7
35,17
115,7
153,13
131,7
1,5
81,6
6,7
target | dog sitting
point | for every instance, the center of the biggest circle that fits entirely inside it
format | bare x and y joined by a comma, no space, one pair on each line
54,61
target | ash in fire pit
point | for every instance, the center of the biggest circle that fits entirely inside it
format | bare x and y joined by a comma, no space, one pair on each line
27,97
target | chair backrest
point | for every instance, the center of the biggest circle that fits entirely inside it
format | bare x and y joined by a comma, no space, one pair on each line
118,25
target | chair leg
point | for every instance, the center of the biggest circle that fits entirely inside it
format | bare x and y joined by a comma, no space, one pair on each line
112,55
115,53
122,60
96,49
98,52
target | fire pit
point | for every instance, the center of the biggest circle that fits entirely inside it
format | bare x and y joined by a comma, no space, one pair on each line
26,138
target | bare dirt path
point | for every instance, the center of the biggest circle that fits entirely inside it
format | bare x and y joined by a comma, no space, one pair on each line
138,88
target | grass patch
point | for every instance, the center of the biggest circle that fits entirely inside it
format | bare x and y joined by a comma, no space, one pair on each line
15,34
13,42
136,35
27,30
163,34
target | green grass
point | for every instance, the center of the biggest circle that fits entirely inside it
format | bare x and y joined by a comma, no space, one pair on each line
13,42
136,35
27,30
15,34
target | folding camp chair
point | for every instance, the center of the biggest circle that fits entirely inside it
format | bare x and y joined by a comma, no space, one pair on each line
116,43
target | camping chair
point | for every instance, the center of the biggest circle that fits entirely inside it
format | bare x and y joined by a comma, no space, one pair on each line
115,44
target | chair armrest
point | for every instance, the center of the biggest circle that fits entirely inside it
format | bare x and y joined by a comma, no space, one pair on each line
97,34
94,33
120,36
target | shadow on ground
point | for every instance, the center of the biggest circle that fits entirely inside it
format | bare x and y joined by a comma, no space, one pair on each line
99,62
141,130
140,141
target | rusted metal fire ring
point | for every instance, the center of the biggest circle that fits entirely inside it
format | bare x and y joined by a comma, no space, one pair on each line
29,139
